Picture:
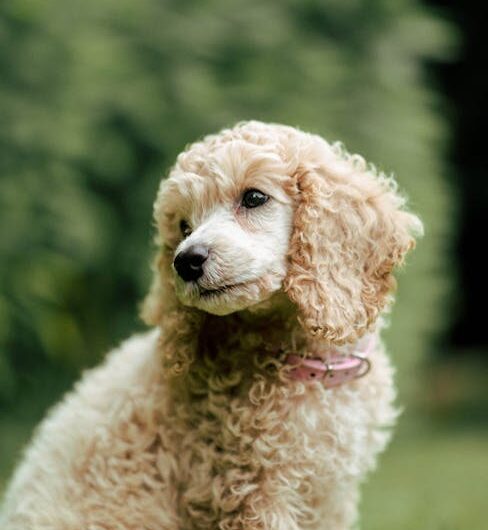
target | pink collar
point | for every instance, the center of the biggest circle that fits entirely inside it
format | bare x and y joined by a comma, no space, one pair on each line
337,369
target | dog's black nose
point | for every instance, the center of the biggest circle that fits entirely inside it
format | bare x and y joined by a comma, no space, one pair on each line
189,263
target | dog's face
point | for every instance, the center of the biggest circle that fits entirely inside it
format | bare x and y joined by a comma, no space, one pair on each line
261,208
228,223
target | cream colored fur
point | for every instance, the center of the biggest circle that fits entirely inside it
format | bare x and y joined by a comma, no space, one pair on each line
195,424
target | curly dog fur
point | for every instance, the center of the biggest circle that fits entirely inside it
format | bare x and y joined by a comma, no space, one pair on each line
196,424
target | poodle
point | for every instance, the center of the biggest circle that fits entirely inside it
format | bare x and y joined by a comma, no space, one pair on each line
262,395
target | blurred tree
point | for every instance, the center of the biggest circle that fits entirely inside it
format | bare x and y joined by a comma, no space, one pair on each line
466,85
98,96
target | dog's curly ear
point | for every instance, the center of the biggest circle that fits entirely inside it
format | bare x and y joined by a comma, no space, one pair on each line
161,297
350,231
160,293
180,330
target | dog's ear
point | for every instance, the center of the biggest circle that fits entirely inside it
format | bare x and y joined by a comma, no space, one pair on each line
161,297
350,231
181,325
160,293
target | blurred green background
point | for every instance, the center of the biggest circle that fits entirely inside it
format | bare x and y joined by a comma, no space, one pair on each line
97,97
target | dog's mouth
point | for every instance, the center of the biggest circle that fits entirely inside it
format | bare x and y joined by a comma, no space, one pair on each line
209,293
225,298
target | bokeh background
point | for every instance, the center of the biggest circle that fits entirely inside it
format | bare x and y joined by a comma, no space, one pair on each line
97,97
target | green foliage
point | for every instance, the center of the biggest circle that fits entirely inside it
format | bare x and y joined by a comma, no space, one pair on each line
97,98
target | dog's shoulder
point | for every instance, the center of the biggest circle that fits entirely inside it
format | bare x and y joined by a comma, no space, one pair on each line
127,368
72,430
128,371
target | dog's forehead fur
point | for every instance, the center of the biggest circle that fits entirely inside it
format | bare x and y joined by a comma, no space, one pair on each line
217,171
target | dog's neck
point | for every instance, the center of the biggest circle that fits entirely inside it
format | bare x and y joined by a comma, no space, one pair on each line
270,327
208,344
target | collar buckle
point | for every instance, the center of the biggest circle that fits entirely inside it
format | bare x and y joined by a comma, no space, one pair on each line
336,370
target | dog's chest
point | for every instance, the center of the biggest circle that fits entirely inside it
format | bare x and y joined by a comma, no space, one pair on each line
254,441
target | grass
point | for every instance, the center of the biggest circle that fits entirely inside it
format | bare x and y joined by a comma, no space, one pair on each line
434,476
430,479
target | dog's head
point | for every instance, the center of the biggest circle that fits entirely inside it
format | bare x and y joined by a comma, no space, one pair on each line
263,208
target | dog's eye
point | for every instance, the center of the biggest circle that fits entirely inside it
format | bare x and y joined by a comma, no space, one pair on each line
185,228
253,198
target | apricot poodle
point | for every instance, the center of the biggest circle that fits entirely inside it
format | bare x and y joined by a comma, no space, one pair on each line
263,394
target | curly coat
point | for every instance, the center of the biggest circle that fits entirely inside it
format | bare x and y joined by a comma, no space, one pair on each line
195,424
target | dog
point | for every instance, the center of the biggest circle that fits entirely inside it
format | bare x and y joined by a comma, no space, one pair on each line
262,395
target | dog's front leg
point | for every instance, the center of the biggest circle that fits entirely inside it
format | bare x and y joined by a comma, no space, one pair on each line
274,506
270,515
263,504
238,507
